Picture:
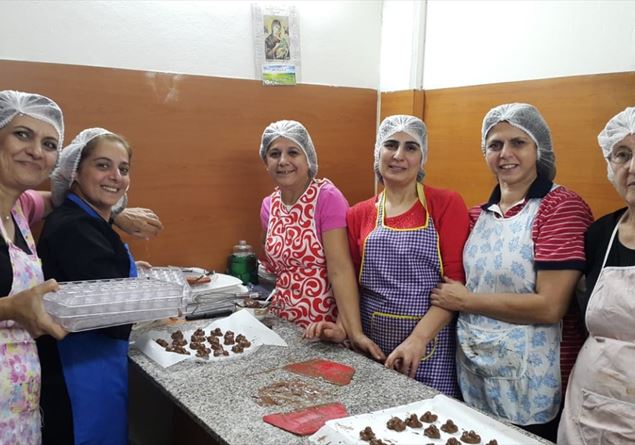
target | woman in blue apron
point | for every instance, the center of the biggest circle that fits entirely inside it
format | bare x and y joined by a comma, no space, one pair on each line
85,376
522,261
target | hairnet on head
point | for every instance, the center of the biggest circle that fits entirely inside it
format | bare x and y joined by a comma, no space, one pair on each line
617,128
527,118
13,103
295,132
410,125
65,173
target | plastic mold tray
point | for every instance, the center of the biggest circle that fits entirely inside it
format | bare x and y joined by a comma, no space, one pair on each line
82,305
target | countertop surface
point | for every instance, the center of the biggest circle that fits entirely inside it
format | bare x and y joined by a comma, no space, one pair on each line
222,396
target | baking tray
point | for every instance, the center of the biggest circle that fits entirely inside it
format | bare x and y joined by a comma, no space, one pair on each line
346,431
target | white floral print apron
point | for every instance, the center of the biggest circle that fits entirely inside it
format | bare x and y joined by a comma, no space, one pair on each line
511,370
600,401
295,253
19,364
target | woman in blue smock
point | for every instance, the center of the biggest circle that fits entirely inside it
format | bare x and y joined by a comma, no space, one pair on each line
84,396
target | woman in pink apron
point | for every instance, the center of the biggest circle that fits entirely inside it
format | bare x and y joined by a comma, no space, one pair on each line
522,261
600,400
31,132
403,241
304,221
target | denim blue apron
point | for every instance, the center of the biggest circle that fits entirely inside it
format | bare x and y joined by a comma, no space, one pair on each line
511,370
399,269
95,370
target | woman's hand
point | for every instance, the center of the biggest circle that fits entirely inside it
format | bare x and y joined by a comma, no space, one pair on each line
325,330
143,264
139,222
27,309
364,344
407,356
451,295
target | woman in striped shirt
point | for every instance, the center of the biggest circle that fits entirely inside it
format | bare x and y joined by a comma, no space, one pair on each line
522,261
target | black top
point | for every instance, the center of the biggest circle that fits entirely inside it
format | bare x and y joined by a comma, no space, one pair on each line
76,246
595,244
6,270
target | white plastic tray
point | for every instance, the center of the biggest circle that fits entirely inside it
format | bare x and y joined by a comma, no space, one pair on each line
346,431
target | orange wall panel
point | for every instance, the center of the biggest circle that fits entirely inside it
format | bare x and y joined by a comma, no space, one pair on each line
576,109
196,140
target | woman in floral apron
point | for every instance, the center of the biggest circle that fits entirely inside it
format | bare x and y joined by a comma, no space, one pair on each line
403,241
600,400
522,261
31,131
304,222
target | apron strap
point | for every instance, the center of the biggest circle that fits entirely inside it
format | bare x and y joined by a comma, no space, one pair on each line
381,205
608,248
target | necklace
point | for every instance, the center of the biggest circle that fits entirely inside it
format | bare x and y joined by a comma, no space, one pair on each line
7,218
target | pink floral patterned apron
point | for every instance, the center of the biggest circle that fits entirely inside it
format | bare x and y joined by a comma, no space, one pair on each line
295,254
19,364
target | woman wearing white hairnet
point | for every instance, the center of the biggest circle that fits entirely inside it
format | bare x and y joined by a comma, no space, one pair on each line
403,241
31,133
85,376
522,261
600,400
304,221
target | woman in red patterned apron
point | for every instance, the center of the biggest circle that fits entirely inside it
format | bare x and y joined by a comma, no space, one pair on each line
31,131
600,399
403,241
304,221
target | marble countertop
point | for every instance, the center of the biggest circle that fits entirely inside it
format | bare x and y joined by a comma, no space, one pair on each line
221,396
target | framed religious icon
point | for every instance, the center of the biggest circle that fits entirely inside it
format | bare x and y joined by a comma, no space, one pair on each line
276,43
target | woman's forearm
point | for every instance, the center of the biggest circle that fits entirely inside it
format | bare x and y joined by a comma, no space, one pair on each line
432,322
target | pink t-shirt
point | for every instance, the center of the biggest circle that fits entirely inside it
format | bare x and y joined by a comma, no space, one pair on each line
32,206
330,210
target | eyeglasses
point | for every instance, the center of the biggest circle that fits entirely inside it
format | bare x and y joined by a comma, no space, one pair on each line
620,156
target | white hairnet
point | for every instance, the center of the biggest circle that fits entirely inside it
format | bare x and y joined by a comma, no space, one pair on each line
527,118
617,128
65,173
294,131
410,125
13,103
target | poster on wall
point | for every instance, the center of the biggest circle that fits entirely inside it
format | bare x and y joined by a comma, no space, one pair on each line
276,43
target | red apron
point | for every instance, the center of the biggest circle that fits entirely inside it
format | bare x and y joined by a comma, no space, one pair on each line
296,255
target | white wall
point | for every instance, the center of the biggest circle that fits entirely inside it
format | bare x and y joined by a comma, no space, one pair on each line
340,40
479,42
402,45
467,42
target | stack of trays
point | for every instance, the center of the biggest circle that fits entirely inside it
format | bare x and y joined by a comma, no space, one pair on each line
169,274
84,305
